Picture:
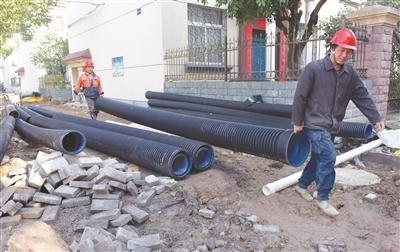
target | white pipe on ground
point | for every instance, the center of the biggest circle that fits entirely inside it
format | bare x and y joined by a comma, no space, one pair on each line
275,186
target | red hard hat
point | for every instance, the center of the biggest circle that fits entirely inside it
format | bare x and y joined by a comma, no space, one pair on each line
89,63
345,38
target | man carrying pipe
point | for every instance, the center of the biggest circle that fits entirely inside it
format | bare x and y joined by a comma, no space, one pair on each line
91,84
324,89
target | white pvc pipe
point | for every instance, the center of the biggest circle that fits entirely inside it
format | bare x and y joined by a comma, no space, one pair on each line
275,186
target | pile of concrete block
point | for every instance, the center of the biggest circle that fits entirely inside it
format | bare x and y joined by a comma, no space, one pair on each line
57,181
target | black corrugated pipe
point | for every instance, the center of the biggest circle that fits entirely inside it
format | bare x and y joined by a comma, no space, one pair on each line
22,113
67,141
42,111
229,118
7,125
166,159
202,153
10,109
29,111
276,144
347,129
262,108
214,109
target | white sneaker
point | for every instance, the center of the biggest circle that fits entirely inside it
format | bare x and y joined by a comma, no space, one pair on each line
303,193
327,208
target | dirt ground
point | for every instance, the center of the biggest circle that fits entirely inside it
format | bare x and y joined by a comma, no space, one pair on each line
232,187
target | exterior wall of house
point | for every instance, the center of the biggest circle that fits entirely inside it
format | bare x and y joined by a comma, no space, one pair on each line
116,29
271,92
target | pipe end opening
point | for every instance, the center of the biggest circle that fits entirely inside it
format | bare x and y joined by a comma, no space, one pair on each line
181,165
368,131
203,158
74,142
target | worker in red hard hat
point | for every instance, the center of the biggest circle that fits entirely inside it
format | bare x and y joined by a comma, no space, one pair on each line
324,89
91,84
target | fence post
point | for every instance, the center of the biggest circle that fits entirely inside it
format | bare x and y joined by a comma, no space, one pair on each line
380,21
226,58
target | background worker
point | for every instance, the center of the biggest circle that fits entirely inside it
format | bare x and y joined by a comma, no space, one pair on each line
91,84
323,92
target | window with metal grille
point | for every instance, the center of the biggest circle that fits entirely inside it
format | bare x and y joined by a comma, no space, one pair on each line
206,29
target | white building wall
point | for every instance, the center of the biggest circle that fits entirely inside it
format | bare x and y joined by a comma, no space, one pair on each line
116,29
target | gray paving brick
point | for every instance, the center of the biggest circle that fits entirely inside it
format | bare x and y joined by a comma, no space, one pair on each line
131,187
47,198
109,161
159,189
111,214
106,196
119,166
102,205
30,212
100,188
36,180
122,220
87,162
87,246
81,184
149,241
103,223
42,157
6,194
119,246
67,191
93,172
54,179
152,180
124,234
73,202
145,197
50,214
23,198
8,206
104,245
14,209
10,221
117,184
53,165
114,174
137,214
49,187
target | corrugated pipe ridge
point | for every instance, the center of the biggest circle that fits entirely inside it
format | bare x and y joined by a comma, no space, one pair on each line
166,159
202,153
271,143
214,110
29,111
262,108
42,111
22,113
7,125
67,141
347,129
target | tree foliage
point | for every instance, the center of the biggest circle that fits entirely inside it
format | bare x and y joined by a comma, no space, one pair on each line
21,17
285,13
49,50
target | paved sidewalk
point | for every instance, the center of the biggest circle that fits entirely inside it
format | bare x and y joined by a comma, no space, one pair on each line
393,120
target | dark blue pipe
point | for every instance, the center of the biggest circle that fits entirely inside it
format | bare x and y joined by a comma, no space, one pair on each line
10,109
7,125
271,143
166,159
202,153
282,110
347,129
22,113
67,141
42,111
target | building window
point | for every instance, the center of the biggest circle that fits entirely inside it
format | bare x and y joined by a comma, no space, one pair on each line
206,29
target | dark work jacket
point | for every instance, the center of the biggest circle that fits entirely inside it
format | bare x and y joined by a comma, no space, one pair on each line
321,96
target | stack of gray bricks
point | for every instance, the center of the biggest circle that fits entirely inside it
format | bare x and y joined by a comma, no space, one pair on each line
57,181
